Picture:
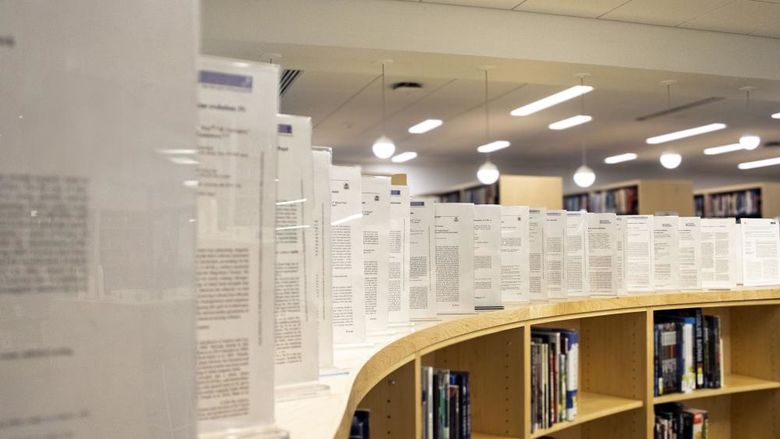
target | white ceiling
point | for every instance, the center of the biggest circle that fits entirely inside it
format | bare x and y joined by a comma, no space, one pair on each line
746,17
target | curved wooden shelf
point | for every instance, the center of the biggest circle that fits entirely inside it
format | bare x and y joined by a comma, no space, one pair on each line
731,384
453,330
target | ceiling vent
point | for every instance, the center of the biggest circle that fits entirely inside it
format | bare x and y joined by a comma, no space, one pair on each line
287,79
772,144
679,108
406,86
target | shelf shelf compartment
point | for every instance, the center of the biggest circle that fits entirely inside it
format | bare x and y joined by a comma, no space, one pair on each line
593,406
733,384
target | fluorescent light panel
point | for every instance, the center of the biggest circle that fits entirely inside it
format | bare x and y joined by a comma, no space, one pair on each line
715,150
493,146
570,122
760,163
404,157
776,116
686,133
620,158
549,101
425,126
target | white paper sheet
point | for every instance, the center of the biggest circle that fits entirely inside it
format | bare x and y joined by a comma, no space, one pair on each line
321,162
760,252
346,249
398,284
738,256
718,253
454,257
554,251
422,275
620,259
295,298
514,254
537,289
576,246
97,303
487,256
666,269
235,260
638,249
689,259
376,251
602,254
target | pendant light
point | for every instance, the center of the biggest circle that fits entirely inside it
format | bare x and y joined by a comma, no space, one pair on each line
670,159
488,173
383,147
749,141
584,176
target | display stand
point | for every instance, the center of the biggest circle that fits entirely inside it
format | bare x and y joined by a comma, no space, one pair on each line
310,389
264,432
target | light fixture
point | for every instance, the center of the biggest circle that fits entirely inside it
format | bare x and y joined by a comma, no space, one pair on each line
620,158
488,173
404,157
549,101
425,126
493,146
749,141
570,122
760,163
723,149
686,133
670,160
776,116
584,176
383,147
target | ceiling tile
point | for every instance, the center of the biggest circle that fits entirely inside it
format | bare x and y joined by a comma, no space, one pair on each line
741,16
496,4
577,8
664,12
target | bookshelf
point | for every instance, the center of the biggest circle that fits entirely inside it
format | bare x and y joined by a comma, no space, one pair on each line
616,365
752,200
635,197
509,190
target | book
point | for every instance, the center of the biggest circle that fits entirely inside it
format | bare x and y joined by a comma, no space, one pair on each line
359,428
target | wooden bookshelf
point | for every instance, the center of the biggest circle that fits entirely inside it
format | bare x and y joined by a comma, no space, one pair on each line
635,197
767,204
509,190
615,370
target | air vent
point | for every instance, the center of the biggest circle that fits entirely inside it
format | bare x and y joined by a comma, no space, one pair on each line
678,108
287,79
772,144
406,86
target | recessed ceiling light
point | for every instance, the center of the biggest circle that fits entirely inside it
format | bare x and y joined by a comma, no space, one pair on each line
425,126
715,150
776,116
760,163
620,158
404,157
686,133
570,122
549,101
493,146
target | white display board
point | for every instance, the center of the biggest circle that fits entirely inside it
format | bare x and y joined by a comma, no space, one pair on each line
576,253
620,256
602,254
638,253
554,251
514,254
236,162
422,276
321,163
97,310
346,250
666,268
718,253
689,252
454,257
398,284
376,251
295,300
537,290
487,257
760,252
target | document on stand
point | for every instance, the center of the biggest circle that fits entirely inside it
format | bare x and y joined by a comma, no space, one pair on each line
718,253
537,289
376,254
666,269
575,246
514,254
398,285
620,256
760,252
454,254
638,247
554,250
689,259
602,254
487,256
422,276
321,162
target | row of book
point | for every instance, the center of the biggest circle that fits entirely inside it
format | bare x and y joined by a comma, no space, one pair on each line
675,421
446,404
554,363
576,202
622,201
487,194
688,351
740,204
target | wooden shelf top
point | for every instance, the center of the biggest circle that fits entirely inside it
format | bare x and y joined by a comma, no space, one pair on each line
593,406
732,384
